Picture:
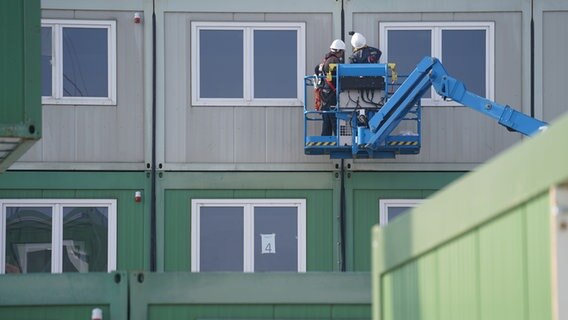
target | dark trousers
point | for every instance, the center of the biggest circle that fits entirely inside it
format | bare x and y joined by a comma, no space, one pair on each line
329,123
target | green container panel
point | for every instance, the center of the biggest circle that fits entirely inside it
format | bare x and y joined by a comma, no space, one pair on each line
176,190
20,62
132,217
179,188
365,190
319,208
260,296
63,296
194,312
63,312
20,78
479,249
261,312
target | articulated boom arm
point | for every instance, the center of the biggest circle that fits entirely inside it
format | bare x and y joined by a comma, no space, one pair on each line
513,120
430,72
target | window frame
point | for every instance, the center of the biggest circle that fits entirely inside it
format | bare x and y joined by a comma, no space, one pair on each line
57,241
436,29
248,29
248,227
385,204
57,97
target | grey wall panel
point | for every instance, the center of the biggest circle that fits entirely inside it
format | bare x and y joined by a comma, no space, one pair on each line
225,134
94,133
62,133
285,135
210,135
176,86
251,127
437,5
555,63
104,134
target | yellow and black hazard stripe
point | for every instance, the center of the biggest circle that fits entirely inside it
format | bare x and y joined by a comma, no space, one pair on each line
403,143
321,144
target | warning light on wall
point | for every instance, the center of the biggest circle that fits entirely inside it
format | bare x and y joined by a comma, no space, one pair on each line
97,314
137,196
137,17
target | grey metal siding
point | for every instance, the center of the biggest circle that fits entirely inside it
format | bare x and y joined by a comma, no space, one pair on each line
270,138
555,63
103,134
227,136
210,134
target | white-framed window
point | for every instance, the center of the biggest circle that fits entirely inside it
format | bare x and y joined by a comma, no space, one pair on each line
466,49
390,209
248,235
57,235
78,62
247,64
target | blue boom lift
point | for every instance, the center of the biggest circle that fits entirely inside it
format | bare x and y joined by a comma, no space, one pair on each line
366,124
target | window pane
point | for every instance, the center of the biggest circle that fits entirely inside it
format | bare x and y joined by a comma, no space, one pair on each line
221,63
394,212
85,62
28,239
275,63
46,56
275,239
407,48
85,239
463,56
221,238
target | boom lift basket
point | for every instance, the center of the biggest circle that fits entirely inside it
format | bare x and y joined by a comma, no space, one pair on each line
387,122
362,90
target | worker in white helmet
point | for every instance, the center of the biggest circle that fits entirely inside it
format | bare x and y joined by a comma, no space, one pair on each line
326,89
335,55
362,53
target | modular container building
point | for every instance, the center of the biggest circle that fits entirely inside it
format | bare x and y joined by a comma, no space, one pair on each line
172,144
161,152
184,295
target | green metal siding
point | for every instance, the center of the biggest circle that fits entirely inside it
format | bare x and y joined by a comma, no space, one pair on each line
20,65
176,190
261,312
319,224
191,312
63,296
322,193
367,188
20,95
50,312
132,217
186,295
263,296
483,274
485,242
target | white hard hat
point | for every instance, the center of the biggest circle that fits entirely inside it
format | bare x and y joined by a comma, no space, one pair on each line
358,40
337,44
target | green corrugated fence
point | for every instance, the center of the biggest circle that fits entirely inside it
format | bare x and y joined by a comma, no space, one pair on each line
480,248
